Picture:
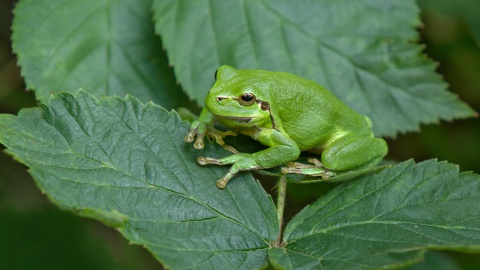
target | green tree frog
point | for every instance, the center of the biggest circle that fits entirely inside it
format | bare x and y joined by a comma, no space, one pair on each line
288,114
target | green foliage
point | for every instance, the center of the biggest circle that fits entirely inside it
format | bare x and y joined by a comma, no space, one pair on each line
121,162
107,47
124,162
361,51
386,219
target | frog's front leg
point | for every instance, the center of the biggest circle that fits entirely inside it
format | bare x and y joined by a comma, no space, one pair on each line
282,149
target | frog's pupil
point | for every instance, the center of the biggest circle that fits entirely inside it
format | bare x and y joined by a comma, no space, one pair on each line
247,97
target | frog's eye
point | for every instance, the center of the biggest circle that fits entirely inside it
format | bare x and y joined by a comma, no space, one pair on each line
247,99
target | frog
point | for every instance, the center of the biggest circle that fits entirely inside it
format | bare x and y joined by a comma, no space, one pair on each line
289,115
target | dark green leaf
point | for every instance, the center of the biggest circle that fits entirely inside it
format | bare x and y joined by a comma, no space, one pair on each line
105,47
386,220
127,165
362,51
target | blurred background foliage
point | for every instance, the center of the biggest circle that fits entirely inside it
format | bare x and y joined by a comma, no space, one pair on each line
34,234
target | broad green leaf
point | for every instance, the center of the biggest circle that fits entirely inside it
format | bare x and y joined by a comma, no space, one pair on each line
386,220
105,47
127,165
362,51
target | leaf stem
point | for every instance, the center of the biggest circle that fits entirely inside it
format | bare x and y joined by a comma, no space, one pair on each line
281,195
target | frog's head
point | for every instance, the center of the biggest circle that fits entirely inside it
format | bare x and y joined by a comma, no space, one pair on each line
239,98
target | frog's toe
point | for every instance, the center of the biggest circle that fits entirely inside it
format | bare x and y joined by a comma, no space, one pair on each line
199,144
190,136
222,182
206,160
315,162
230,148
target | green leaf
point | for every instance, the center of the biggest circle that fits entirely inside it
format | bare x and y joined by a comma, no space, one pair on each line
105,47
127,165
386,220
362,51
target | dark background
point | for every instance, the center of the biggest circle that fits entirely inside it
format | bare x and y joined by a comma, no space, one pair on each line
34,234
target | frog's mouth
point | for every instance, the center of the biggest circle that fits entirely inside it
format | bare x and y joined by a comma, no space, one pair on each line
236,118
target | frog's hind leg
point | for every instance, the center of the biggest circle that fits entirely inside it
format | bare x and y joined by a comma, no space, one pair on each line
346,154
353,152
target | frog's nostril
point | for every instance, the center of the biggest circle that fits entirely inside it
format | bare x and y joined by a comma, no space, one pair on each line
220,98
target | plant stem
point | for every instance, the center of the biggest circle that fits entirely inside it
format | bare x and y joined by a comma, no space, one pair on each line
281,195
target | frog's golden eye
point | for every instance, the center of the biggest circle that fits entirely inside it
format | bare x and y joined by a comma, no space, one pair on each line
247,99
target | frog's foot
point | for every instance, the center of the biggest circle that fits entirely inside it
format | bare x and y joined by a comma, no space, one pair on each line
219,135
200,130
190,137
316,169
241,162
222,182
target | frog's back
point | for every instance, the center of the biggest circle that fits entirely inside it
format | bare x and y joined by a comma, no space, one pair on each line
311,115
